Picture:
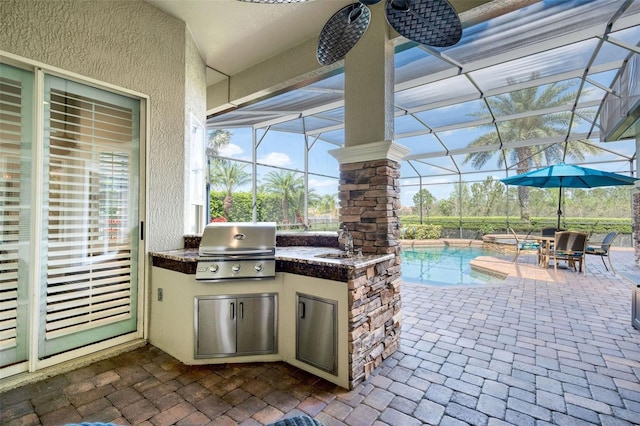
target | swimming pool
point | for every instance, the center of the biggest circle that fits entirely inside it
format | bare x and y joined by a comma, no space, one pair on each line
444,266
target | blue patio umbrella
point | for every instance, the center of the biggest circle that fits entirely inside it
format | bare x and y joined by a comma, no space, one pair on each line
564,175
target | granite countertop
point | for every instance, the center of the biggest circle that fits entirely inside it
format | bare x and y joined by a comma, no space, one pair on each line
314,254
304,254
180,255
332,234
310,255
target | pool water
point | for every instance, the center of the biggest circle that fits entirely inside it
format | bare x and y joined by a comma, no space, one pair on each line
444,266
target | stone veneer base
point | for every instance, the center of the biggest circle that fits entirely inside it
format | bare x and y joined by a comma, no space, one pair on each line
374,317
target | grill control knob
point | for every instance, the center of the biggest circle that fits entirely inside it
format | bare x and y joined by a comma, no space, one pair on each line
213,268
235,268
258,267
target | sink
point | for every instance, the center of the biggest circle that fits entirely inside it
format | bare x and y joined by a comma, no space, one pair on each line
335,256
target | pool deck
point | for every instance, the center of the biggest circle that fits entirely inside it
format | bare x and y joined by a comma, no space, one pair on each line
540,349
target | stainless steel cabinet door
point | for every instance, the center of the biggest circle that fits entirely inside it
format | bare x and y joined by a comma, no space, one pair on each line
256,324
316,332
216,327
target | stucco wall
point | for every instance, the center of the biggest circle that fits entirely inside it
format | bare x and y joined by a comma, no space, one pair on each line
196,100
133,45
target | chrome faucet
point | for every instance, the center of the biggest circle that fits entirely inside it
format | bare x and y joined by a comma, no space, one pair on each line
346,238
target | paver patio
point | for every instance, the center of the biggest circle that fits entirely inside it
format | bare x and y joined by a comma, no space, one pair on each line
531,351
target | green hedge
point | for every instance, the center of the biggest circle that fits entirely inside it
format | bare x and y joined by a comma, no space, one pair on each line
268,206
498,224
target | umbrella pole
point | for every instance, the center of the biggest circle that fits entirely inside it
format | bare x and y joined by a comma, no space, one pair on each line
559,209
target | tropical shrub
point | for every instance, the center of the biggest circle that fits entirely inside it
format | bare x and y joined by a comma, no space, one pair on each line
421,232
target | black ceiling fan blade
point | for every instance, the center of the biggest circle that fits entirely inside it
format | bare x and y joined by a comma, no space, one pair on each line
341,32
428,22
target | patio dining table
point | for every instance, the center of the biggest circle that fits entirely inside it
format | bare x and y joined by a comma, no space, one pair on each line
544,250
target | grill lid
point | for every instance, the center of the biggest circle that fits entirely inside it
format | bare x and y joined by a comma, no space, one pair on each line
238,238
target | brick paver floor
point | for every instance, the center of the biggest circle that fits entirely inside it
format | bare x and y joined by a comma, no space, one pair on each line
531,351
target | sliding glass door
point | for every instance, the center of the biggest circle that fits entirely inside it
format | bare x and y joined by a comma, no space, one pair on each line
69,215
89,240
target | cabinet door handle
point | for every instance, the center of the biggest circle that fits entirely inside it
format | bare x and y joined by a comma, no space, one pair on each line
241,310
301,309
232,311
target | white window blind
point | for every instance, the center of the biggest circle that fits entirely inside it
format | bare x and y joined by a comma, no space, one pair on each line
92,193
10,132
16,89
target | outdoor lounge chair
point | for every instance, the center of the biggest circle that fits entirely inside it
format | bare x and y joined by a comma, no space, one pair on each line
603,250
523,244
569,246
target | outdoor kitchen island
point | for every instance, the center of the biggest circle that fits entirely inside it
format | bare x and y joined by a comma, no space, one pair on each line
361,290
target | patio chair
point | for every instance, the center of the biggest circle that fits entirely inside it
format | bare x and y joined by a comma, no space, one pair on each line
603,250
548,232
523,244
569,246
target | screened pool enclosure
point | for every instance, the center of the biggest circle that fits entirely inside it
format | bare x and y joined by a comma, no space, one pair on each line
554,81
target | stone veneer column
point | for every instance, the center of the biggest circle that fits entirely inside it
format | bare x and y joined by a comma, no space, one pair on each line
369,201
369,193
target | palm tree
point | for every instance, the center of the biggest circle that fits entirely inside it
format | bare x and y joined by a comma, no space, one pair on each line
527,158
228,176
423,200
327,204
298,196
288,185
217,139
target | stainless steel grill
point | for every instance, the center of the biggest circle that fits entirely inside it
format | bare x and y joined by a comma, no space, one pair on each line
233,250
